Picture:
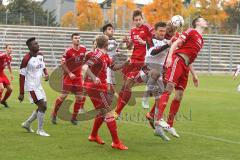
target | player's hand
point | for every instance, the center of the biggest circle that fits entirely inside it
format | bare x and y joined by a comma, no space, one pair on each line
168,62
96,81
195,81
141,41
46,77
71,75
21,97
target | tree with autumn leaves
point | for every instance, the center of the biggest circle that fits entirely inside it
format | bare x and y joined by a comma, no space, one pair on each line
88,16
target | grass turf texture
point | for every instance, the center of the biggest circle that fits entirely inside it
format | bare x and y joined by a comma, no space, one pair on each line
211,133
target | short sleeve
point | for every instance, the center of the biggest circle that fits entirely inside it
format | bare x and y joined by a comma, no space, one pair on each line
93,58
24,63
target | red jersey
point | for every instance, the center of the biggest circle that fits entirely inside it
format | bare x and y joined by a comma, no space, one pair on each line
98,63
192,44
74,59
5,60
145,32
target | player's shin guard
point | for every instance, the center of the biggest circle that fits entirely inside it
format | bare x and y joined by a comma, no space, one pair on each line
123,100
97,124
57,105
173,111
112,126
6,96
162,104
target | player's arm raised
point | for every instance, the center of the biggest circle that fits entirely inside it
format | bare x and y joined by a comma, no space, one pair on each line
173,47
128,42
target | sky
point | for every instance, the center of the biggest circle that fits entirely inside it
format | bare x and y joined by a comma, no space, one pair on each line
137,1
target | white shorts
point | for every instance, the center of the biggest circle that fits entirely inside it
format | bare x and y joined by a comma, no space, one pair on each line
36,95
111,76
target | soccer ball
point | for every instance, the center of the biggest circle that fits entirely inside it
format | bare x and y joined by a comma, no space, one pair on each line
177,21
238,88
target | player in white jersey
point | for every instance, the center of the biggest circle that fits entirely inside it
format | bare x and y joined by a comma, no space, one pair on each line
108,30
237,70
155,59
31,71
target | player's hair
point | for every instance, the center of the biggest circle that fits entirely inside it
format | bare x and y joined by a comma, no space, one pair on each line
29,41
136,13
195,20
102,41
74,34
7,44
104,28
160,24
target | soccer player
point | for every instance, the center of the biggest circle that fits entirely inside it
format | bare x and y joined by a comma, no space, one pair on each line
5,60
108,30
96,87
31,71
181,55
155,58
72,60
140,35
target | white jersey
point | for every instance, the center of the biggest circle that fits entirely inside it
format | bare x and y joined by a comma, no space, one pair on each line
112,47
237,70
32,68
158,59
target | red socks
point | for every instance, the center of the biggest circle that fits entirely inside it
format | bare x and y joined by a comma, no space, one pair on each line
77,106
112,126
97,124
173,111
152,112
123,99
162,104
58,104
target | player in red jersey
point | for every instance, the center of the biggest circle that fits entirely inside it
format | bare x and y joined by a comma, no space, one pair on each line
72,60
182,54
5,60
96,66
140,36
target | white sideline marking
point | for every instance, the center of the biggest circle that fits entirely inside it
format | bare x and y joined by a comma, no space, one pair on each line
191,133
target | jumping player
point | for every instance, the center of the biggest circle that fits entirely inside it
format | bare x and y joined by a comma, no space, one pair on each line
5,60
72,60
140,35
96,87
31,71
181,55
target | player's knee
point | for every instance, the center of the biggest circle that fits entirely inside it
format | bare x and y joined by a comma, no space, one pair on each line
155,74
179,96
9,89
169,88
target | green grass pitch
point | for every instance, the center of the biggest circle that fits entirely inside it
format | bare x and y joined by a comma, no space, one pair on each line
208,124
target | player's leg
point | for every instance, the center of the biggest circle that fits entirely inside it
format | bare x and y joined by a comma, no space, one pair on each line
1,89
57,105
124,95
7,95
79,102
146,94
29,121
42,107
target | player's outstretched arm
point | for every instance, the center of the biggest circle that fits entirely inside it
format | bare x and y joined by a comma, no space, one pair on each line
116,67
158,50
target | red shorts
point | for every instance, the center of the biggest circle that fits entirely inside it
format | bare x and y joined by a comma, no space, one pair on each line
178,73
98,95
73,86
4,79
132,71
